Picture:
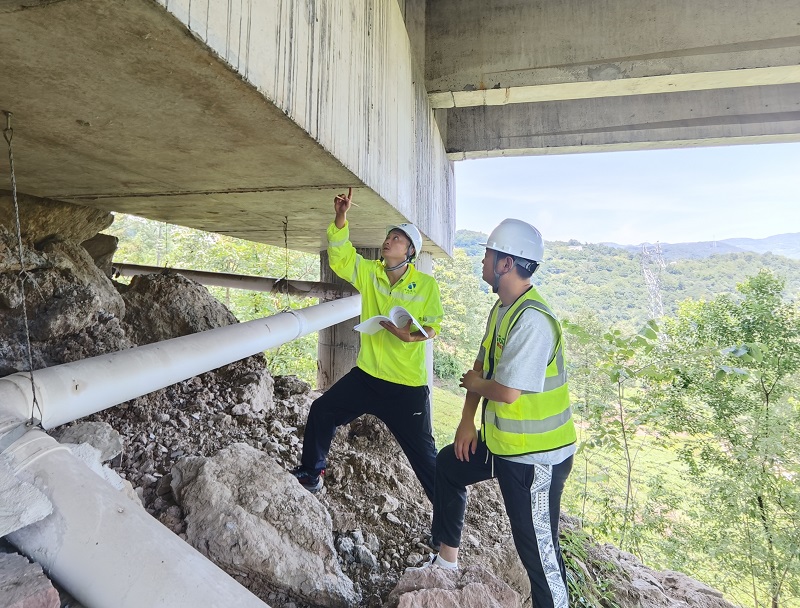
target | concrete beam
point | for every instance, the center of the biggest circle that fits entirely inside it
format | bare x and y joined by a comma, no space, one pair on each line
521,51
227,117
673,83
698,118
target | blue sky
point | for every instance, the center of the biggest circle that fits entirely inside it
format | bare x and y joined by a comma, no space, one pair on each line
671,196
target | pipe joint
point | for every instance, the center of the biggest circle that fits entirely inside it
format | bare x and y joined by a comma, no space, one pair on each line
11,430
301,322
31,445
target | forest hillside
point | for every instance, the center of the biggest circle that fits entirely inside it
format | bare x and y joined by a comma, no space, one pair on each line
684,379
608,280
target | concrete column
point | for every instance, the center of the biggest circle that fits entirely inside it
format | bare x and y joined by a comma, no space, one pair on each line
424,264
337,345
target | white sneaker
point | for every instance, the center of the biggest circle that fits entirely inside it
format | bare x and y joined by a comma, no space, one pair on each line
434,561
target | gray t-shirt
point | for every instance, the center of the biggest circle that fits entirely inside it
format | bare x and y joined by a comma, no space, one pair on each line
529,348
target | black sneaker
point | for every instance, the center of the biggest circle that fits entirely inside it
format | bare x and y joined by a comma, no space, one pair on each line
308,479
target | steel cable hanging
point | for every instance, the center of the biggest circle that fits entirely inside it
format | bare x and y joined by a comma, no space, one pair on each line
288,306
8,134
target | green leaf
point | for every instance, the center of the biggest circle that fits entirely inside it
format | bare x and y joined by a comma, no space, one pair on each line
756,352
649,333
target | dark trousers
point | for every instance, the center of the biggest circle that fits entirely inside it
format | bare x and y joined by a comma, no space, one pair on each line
405,410
532,497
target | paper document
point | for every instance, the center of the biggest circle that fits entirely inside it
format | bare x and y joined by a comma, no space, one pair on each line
398,316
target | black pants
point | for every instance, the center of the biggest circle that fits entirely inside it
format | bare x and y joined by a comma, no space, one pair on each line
532,496
405,410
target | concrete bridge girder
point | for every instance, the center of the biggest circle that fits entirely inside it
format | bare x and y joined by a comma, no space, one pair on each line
227,118
474,45
232,117
665,120
502,66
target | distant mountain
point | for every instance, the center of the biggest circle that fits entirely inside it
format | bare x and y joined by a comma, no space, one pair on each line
684,251
780,244
787,245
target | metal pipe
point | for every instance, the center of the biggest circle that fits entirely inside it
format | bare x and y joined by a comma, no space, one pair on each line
73,390
105,549
301,289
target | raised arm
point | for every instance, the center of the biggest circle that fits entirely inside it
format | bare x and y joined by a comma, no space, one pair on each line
341,204
342,256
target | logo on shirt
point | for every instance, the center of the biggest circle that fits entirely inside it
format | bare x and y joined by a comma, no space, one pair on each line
500,343
411,286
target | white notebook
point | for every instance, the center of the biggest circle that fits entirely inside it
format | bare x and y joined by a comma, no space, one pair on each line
398,316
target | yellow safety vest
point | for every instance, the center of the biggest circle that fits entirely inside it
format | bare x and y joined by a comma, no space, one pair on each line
536,422
382,354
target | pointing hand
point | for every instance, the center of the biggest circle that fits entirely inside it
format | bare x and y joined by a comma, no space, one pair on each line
342,203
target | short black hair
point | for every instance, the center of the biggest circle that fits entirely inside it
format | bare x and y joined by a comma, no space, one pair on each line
525,268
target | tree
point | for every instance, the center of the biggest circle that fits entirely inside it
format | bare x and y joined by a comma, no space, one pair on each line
466,307
155,243
609,373
733,396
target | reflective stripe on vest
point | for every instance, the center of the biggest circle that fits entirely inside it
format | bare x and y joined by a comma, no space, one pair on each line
535,422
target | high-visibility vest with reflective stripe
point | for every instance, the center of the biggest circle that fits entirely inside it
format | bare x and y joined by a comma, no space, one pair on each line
382,355
535,422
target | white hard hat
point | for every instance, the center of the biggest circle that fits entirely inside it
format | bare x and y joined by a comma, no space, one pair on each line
517,238
411,231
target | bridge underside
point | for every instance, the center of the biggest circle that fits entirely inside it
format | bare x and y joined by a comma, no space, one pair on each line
520,77
751,115
246,120
230,122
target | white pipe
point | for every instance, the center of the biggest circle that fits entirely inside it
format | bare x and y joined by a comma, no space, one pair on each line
105,549
73,390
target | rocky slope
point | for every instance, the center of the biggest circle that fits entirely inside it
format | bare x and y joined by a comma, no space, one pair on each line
213,451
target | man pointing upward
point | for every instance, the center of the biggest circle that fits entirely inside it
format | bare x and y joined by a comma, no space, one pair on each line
390,378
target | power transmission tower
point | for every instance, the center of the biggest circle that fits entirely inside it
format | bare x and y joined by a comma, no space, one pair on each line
652,261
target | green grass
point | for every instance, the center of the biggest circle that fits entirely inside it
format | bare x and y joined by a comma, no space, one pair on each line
446,414
665,500
448,400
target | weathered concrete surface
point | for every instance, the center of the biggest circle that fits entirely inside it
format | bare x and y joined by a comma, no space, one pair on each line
666,120
518,51
536,77
227,117
230,117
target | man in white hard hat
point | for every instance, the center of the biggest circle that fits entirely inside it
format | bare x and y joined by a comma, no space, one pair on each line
527,436
390,379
